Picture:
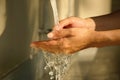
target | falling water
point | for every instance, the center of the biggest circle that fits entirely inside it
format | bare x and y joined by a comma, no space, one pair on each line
57,64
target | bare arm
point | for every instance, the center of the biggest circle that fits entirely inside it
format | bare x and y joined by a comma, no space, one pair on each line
106,38
76,34
107,29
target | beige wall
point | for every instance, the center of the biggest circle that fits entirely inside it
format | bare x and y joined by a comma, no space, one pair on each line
2,15
88,8
16,37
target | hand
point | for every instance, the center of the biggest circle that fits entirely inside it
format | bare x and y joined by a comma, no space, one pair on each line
71,35
72,22
67,41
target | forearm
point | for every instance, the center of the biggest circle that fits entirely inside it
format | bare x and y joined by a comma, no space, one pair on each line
107,22
106,38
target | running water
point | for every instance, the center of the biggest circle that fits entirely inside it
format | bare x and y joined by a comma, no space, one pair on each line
57,64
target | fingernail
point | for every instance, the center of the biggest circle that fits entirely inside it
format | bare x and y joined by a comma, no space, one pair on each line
50,35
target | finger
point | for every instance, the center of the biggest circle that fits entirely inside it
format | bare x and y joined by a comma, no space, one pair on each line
62,24
38,44
58,27
50,46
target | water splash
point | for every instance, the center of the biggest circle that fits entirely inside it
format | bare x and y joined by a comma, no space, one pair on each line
55,11
57,64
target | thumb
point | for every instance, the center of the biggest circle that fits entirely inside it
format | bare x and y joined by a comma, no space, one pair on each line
60,34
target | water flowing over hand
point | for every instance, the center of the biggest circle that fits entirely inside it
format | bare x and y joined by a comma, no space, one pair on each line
67,41
74,34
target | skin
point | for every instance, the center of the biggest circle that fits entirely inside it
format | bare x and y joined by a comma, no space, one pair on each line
75,34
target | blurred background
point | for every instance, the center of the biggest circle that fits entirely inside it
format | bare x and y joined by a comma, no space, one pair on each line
23,21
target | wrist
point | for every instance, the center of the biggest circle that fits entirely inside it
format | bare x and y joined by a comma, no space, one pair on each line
90,23
100,39
96,39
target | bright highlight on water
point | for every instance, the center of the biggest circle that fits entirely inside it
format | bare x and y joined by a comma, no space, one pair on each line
57,64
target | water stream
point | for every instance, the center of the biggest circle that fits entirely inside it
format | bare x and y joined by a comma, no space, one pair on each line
57,64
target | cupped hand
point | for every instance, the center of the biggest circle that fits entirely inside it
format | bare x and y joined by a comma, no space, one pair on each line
67,41
72,22
71,35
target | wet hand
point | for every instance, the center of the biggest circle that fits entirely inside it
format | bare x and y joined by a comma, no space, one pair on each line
67,41
71,35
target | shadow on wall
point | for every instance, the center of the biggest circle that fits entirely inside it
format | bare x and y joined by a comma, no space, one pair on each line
14,42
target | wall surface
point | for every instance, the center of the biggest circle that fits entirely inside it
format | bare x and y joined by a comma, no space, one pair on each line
14,41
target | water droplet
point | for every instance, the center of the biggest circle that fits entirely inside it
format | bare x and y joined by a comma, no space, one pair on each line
52,77
51,73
